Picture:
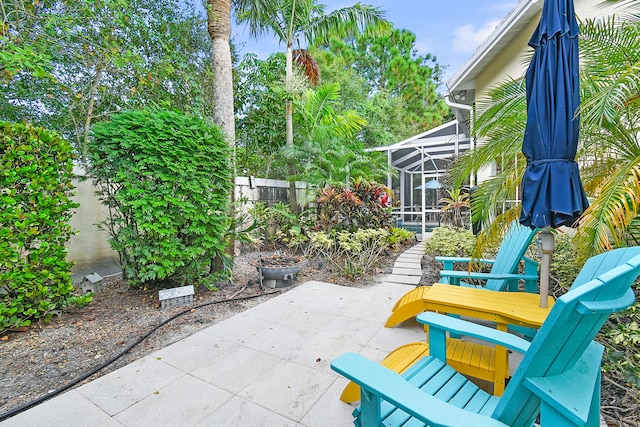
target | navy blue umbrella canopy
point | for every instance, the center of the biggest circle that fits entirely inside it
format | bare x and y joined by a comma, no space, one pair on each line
552,192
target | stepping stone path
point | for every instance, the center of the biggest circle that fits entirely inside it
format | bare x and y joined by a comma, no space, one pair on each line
407,269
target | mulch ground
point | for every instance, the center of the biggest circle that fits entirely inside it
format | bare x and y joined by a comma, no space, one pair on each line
48,356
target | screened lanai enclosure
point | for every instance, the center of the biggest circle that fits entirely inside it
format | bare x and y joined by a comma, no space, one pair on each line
419,163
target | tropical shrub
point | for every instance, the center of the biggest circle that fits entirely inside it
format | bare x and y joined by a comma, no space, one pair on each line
274,222
367,204
165,178
450,241
35,208
351,253
399,236
621,336
565,263
454,204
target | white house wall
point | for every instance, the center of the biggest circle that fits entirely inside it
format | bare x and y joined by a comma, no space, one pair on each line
511,61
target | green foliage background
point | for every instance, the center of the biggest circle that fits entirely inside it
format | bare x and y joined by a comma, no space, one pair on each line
68,64
165,177
394,71
35,207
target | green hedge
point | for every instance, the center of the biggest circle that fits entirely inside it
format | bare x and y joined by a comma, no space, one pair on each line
35,207
450,241
166,178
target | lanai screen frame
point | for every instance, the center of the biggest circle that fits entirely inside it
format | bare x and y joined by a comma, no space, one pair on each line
425,155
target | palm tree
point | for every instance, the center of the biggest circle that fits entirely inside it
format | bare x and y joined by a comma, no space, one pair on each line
327,148
295,21
219,27
609,154
456,200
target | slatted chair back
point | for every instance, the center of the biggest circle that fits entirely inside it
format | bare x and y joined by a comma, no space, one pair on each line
599,264
511,252
565,336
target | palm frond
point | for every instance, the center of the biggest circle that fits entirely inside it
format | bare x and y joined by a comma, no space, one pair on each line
261,17
492,234
627,10
317,104
614,208
308,64
611,69
505,102
349,123
499,129
347,22
299,15
491,197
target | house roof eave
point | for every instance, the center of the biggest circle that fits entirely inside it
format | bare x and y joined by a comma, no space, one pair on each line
507,29
407,142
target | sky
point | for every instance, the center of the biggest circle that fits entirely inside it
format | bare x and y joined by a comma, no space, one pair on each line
450,30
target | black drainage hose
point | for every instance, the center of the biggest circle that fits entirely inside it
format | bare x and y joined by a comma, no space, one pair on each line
65,387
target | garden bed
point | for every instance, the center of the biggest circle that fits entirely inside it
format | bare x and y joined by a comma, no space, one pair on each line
50,355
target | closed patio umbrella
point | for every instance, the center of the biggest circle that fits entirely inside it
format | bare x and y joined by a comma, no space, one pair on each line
552,192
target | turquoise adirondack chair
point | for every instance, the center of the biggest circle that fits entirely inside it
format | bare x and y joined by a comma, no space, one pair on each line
402,358
558,377
503,275
504,267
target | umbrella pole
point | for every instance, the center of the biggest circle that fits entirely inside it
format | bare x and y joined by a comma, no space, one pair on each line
545,246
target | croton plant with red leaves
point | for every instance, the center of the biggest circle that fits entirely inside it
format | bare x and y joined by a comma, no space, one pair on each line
364,204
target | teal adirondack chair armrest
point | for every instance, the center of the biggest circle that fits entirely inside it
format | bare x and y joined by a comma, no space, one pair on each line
439,324
448,261
377,382
573,395
454,277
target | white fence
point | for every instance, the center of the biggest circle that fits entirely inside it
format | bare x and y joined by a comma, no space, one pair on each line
89,248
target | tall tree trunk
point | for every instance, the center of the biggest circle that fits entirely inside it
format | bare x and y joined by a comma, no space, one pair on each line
293,197
219,26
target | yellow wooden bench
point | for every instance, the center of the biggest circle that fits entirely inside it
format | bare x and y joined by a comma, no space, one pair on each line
504,274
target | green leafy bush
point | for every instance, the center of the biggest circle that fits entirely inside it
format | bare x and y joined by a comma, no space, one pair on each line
35,207
565,262
621,337
367,204
450,241
165,177
399,236
275,221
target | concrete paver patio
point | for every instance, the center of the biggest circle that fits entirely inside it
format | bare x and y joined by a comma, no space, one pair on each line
267,366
